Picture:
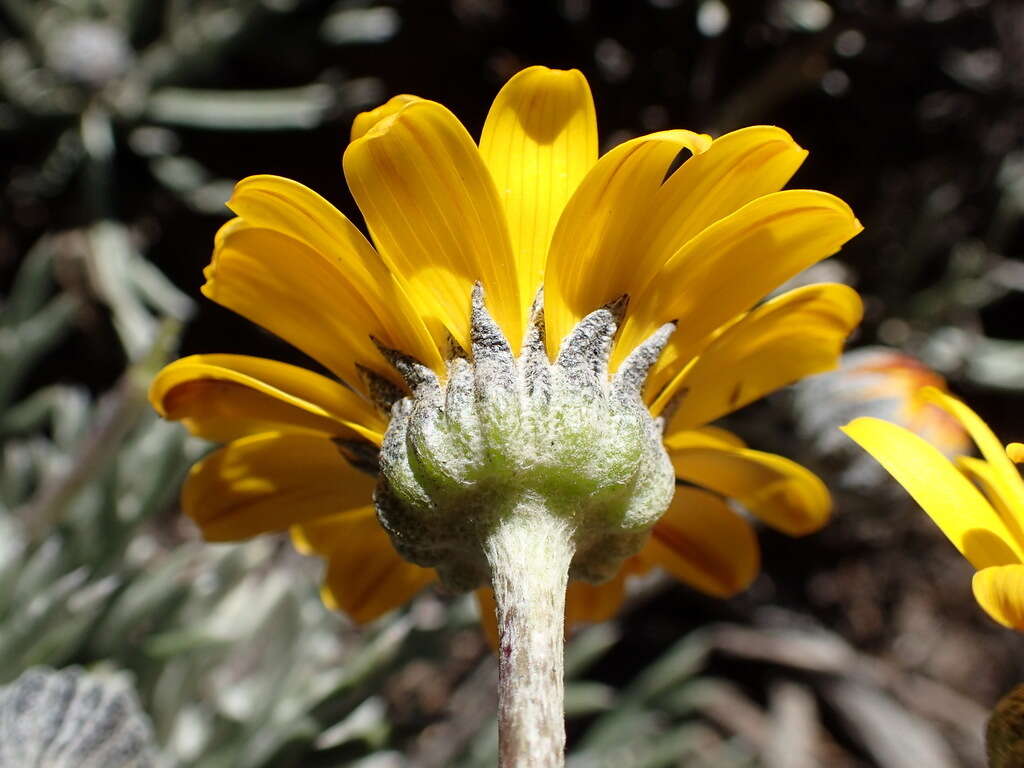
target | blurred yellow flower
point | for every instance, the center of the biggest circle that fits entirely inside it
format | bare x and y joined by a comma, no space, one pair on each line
872,381
897,377
532,205
978,503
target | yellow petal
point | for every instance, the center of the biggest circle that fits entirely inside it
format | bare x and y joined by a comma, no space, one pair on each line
291,290
731,264
269,482
778,491
224,397
956,506
366,120
538,142
365,576
1005,476
272,202
594,602
703,543
1000,591
708,436
737,168
984,476
1015,452
795,335
592,259
433,211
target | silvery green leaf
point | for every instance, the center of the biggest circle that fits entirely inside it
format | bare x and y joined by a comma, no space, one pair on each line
892,735
587,698
246,697
996,363
678,663
37,91
193,183
22,344
35,616
381,760
483,748
361,25
67,623
365,669
159,292
621,728
269,110
73,719
146,603
30,414
46,563
17,473
150,469
588,646
71,416
32,284
111,254
13,546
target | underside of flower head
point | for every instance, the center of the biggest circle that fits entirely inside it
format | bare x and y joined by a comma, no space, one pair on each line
460,455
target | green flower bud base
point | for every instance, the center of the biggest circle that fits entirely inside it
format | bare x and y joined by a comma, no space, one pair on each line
521,474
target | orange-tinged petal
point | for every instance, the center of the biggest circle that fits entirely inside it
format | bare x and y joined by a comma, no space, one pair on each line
224,397
703,543
433,211
1005,476
291,290
538,142
270,482
956,506
273,202
779,492
365,576
1015,452
586,602
488,615
1000,591
592,259
792,336
731,264
366,120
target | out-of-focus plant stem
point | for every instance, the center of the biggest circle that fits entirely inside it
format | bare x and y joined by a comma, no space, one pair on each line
119,411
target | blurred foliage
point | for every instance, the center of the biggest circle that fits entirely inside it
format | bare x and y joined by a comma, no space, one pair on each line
123,125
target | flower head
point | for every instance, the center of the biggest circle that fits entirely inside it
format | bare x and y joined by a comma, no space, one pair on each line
617,238
880,382
977,503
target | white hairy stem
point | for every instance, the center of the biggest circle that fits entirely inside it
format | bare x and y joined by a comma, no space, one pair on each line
529,553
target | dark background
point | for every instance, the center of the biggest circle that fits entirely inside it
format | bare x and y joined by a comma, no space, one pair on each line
912,112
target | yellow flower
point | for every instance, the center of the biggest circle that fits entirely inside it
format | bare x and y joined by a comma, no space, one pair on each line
982,518
531,205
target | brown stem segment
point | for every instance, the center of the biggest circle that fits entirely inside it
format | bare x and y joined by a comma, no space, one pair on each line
529,553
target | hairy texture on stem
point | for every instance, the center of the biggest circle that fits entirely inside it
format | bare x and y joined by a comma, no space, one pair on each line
529,553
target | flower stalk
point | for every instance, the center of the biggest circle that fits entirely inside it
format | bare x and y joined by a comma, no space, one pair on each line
523,474
529,553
